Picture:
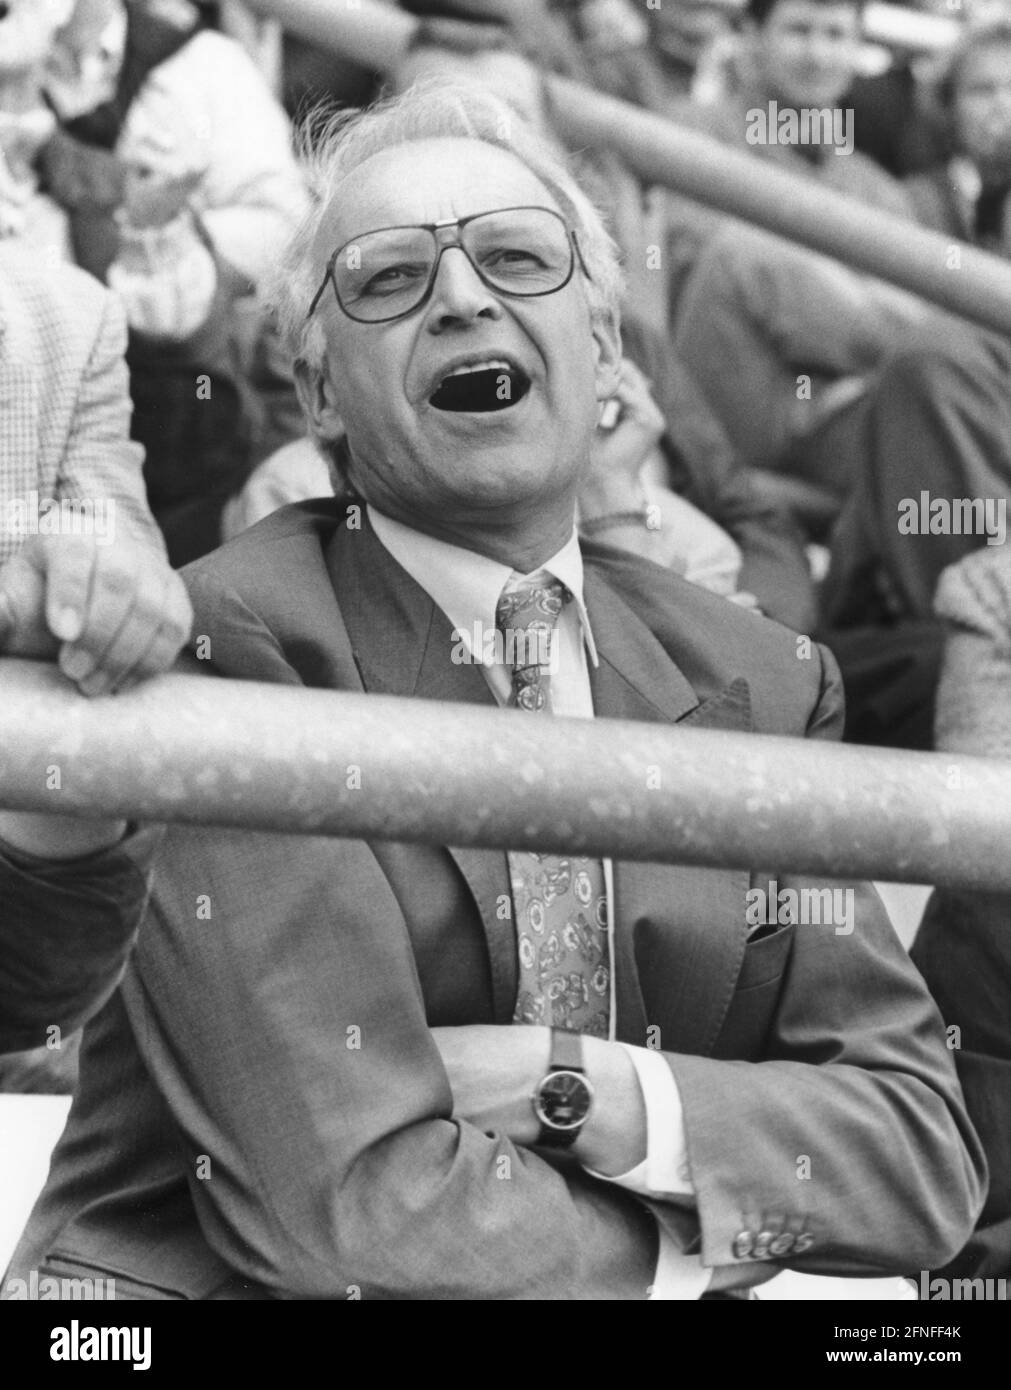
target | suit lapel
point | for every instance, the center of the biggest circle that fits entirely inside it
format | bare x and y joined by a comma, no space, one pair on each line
403,645
670,920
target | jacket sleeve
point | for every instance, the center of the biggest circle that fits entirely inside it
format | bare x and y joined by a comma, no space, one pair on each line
852,1131
66,931
100,463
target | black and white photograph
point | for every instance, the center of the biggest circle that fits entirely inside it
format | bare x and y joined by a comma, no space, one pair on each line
505,670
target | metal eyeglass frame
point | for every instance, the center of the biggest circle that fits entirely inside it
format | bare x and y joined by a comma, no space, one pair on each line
446,243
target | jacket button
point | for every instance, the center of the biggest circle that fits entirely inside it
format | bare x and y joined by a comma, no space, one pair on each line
782,1245
760,1250
742,1244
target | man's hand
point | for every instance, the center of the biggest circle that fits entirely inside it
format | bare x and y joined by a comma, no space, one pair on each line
112,614
494,1070
618,455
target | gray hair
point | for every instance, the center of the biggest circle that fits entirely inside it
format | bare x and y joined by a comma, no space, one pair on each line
333,147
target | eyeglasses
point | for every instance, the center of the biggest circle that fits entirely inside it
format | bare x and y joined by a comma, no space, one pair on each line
388,274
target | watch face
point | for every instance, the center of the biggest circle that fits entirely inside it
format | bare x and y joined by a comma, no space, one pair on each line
563,1100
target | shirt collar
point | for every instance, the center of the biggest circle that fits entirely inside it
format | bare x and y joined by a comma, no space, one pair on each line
467,586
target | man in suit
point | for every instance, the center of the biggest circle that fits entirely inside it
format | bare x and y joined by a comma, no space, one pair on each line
327,1049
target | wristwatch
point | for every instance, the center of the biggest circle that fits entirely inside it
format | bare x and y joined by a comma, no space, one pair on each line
564,1096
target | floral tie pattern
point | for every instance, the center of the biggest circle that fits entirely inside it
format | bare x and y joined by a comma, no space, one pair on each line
560,902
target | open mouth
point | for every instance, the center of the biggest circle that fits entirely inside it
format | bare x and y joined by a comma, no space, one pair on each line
481,387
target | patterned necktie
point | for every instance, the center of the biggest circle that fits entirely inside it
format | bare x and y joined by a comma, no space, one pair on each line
560,903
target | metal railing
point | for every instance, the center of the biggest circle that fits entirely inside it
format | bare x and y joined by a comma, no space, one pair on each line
973,284
206,751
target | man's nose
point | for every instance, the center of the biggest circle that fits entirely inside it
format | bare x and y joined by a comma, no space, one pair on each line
459,295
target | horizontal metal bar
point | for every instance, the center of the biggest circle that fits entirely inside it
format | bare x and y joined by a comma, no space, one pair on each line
205,751
977,286
373,34
800,209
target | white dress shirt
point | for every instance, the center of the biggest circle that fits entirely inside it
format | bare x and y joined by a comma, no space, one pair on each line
467,587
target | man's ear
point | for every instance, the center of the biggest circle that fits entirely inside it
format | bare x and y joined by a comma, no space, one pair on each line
316,396
607,353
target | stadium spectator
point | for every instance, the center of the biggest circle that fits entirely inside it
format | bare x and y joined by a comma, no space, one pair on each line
795,57
176,167
83,579
688,473
462,351
936,425
968,196
963,946
27,213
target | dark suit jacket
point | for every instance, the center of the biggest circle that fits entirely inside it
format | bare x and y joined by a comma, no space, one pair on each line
229,1135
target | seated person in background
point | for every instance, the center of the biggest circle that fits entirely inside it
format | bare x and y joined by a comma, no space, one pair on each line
72,515
652,55
452,309
781,340
684,44
176,167
968,197
795,56
784,344
932,484
27,213
664,483
963,946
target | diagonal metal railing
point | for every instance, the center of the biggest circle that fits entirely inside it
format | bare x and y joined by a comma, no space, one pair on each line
951,274
200,750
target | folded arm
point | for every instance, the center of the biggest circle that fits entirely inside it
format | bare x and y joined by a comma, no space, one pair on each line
288,1034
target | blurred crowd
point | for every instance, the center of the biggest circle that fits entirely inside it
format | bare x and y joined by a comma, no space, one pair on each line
784,422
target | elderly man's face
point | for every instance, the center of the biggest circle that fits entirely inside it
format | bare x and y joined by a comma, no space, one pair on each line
437,467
